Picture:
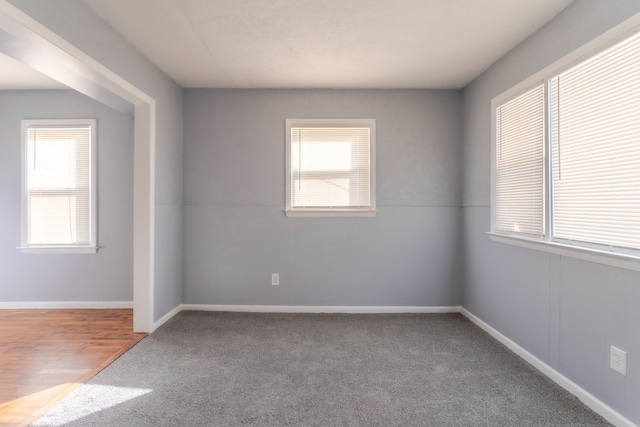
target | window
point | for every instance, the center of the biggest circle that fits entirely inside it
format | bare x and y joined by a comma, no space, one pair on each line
330,167
58,186
567,155
520,165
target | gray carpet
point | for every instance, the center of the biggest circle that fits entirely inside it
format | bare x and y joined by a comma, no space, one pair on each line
239,369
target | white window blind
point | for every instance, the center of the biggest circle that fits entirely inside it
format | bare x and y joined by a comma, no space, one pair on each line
595,123
519,196
58,193
329,167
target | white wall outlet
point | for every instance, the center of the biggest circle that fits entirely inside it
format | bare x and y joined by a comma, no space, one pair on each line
275,279
618,361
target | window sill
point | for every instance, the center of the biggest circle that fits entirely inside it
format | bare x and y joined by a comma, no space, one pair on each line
330,213
59,249
613,259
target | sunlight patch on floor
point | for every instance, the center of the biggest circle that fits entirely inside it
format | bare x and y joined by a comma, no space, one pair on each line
92,398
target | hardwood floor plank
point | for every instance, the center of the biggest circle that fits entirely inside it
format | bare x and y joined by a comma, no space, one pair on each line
46,354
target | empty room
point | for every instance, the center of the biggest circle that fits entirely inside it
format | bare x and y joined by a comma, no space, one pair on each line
320,213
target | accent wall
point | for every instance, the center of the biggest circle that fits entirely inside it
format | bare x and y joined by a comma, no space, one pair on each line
236,232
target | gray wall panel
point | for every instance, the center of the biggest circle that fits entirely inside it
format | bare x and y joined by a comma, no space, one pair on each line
615,287
632,381
567,308
555,290
387,260
588,324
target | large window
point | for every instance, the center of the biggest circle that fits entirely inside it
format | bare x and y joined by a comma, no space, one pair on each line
59,186
330,167
567,155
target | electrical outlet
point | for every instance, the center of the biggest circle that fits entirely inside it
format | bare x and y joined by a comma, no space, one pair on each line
618,361
275,279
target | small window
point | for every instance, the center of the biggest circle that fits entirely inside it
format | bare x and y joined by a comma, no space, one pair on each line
58,186
330,167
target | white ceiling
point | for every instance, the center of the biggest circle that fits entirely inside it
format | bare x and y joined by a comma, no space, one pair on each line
325,43
314,43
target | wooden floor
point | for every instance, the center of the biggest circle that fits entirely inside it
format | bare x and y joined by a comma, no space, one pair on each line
45,354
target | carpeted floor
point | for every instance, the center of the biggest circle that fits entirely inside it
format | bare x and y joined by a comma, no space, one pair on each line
249,369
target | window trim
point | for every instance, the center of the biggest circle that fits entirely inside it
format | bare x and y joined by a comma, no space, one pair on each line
92,247
628,260
368,211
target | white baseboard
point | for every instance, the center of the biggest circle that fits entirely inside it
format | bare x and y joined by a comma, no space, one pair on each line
301,309
319,308
28,305
166,317
587,398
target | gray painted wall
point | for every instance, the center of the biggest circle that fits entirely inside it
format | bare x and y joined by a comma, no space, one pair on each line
236,233
567,312
106,276
75,22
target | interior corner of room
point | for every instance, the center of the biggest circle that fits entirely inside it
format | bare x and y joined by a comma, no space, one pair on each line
192,199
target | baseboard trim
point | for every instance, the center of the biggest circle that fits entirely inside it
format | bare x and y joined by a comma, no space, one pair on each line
167,316
319,308
587,398
34,305
301,309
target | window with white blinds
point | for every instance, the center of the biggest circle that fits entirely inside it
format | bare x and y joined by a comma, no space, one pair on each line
58,196
595,118
519,204
586,116
330,167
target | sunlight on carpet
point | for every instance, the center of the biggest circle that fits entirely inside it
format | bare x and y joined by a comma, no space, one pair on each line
94,398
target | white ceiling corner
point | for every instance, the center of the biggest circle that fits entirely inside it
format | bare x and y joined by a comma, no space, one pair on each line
328,43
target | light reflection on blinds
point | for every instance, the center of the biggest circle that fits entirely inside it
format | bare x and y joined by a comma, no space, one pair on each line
330,167
595,117
58,177
520,165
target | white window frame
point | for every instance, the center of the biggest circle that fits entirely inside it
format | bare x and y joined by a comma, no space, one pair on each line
624,259
92,246
367,211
